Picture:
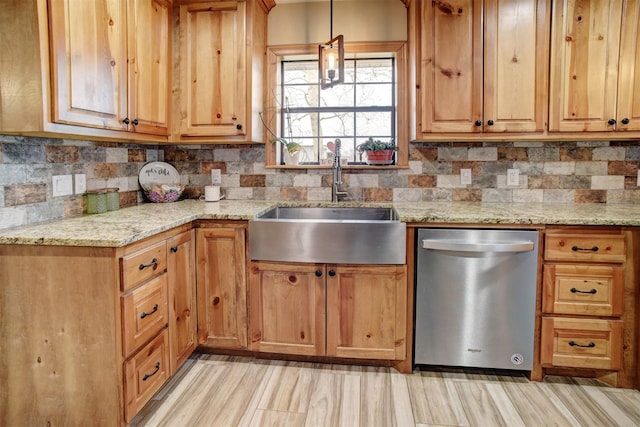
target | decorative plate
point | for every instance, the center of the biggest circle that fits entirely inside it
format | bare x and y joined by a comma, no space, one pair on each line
158,173
160,182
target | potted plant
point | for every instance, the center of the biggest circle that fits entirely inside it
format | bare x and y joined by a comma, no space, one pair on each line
290,150
378,152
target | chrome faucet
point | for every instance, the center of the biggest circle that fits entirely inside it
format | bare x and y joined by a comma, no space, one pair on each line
337,174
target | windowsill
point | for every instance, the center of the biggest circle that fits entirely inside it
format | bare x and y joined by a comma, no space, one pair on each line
345,167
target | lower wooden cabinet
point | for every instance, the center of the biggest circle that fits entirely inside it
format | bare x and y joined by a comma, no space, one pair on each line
347,311
582,343
587,326
91,332
182,298
145,373
222,285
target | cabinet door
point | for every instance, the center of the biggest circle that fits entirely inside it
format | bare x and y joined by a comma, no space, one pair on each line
366,311
88,62
515,65
628,114
149,57
213,70
182,298
585,45
222,286
287,308
451,66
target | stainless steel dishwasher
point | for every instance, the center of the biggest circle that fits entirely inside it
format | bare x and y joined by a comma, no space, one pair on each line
475,298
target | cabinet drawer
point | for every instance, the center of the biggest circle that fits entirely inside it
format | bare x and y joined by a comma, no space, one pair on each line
585,247
144,313
581,343
595,290
140,266
145,373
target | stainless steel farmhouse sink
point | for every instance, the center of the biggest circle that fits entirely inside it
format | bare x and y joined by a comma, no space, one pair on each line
344,235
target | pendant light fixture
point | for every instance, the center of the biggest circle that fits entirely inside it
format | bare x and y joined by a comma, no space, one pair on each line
331,58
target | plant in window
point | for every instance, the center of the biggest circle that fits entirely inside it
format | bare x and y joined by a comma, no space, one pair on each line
378,152
291,150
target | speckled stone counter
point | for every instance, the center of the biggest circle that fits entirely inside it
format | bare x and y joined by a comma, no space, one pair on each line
125,226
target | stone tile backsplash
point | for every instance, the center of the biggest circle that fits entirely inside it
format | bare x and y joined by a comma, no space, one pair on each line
553,172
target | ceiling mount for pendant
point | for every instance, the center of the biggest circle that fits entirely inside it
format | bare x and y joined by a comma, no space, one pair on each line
331,58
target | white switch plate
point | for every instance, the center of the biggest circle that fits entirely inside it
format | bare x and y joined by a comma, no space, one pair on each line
513,176
81,183
638,183
465,176
62,185
216,177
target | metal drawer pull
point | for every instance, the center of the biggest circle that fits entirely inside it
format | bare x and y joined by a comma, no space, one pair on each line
577,291
154,263
575,344
578,248
147,376
145,314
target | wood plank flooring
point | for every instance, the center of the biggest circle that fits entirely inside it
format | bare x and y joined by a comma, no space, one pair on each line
211,390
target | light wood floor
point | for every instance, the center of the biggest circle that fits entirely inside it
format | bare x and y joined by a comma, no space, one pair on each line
225,391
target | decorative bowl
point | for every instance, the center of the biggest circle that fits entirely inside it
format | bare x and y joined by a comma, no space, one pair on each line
163,193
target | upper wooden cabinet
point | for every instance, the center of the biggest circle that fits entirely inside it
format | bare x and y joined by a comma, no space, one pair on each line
595,66
91,69
110,64
482,66
222,57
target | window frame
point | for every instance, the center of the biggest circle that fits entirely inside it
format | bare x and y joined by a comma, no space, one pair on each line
272,96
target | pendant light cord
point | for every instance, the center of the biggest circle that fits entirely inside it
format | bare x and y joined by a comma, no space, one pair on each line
331,20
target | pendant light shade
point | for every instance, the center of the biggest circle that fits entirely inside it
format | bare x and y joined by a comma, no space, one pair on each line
331,59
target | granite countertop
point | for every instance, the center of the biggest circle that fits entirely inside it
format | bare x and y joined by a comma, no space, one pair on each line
128,225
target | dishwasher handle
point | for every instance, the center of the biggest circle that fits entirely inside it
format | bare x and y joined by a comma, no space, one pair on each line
461,246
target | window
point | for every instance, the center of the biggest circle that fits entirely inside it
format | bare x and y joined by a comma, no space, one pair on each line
363,106
372,102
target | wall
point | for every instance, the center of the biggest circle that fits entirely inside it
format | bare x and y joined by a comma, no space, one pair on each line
309,23
553,172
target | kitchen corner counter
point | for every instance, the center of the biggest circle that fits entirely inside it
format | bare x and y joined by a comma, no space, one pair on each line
122,227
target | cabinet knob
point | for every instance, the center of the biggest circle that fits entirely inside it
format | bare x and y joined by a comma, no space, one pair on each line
126,121
239,126
174,249
135,122
318,273
490,122
332,273
612,122
625,121
478,123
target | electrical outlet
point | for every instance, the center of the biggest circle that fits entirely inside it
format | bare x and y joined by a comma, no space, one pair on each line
62,185
216,177
465,176
513,176
81,183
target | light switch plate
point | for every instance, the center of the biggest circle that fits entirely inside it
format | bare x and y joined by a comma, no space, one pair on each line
62,185
513,176
465,176
638,183
81,183
216,177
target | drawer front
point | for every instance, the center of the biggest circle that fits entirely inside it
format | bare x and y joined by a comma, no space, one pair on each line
144,313
145,373
585,247
140,266
582,343
583,289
